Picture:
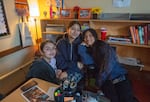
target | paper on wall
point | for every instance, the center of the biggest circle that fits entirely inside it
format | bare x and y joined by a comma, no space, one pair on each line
26,38
121,3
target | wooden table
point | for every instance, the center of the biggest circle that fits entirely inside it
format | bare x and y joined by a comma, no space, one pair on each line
15,96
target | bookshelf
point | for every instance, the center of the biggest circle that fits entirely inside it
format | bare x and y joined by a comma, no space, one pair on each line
114,28
52,32
132,45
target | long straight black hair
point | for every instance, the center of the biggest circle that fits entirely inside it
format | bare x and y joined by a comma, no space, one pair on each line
92,31
97,50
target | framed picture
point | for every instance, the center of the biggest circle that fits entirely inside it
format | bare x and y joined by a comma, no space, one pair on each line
3,21
66,13
84,13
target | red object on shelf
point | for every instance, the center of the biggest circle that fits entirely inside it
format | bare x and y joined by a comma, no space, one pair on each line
103,33
51,12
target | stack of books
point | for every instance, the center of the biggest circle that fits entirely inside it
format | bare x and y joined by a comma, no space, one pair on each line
130,61
54,31
119,40
140,16
140,34
115,16
55,28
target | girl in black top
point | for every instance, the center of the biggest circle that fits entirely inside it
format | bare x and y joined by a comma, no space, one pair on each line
45,67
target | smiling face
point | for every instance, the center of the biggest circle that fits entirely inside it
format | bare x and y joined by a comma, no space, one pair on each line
89,38
74,31
49,51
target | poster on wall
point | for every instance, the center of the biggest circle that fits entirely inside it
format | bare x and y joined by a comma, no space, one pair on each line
25,35
121,3
3,21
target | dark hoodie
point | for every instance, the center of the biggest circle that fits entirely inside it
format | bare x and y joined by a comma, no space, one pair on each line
42,70
67,56
105,58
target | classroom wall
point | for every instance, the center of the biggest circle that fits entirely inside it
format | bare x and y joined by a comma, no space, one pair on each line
13,39
14,60
137,6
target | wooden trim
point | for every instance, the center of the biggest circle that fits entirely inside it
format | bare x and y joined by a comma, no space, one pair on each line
22,67
54,32
132,45
9,51
98,20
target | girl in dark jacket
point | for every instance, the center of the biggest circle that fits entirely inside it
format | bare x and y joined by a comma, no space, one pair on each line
67,56
45,67
110,76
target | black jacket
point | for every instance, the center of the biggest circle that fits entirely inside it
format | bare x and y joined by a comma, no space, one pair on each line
107,65
67,56
42,70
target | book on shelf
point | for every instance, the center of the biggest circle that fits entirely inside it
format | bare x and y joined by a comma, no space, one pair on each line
148,33
133,35
145,34
55,25
130,61
55,28
140,34
140,16
119,40
137,35
115,16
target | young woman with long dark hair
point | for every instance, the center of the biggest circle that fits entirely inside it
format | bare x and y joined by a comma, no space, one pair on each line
111,77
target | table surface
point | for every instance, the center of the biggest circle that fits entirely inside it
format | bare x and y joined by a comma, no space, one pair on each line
15,96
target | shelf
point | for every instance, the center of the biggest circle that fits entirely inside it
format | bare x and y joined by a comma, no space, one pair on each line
55,25
114,28
98,20
122,21
66,20
59,33
132,45
146,68
22,3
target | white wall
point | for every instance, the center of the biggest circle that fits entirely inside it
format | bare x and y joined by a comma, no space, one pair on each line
16,59
12,19
137,6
